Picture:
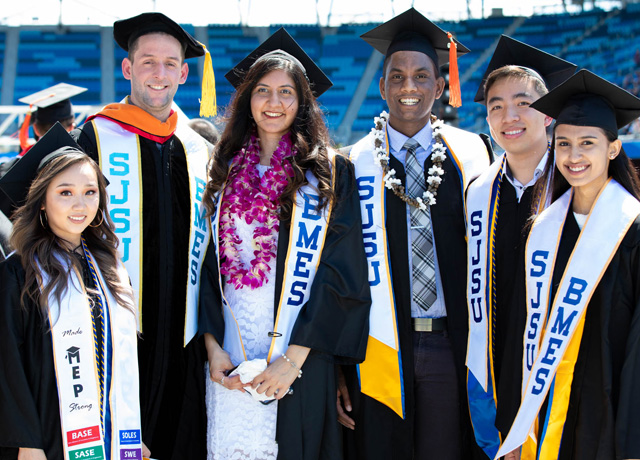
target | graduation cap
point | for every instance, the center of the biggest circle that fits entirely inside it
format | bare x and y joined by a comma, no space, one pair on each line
16,182
411,31
550,69
586,99
73,352
125,31
53,103
282,44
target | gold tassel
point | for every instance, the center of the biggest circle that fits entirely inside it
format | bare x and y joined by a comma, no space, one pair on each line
208,106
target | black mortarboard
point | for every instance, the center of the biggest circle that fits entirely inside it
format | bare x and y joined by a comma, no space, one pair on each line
411,31
551,69
53,103
589,100
127,30
282,44
16,182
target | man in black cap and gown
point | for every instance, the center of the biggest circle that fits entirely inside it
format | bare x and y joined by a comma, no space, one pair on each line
499,205
156,166
408,398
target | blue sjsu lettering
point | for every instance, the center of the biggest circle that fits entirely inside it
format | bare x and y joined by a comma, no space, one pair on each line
476,272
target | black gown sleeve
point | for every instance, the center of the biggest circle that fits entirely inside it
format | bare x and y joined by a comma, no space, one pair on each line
20,424
211,319
628,422
335,320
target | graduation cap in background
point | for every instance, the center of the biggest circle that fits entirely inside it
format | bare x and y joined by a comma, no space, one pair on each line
411,31
586,99
14,185
549,68
53,104
284,44
125,31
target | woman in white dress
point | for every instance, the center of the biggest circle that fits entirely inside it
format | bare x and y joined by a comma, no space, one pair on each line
285,277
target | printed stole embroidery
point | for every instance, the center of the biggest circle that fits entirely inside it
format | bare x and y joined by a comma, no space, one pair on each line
75,361
119,153
554,359
306,241
482,212
381,372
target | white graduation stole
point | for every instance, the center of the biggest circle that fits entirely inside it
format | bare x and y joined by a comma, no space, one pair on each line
77,377
483,199
612,214
306,241
381,372
119,152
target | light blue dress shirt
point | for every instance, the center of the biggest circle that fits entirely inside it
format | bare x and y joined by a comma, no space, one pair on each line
396,143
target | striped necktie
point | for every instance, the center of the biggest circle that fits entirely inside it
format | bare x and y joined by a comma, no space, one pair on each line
423,273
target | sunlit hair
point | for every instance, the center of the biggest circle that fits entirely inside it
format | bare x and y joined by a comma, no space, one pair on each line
134,41
620,168
40,250
516,72
308,133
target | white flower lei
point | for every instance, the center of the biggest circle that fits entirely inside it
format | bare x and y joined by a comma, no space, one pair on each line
438,155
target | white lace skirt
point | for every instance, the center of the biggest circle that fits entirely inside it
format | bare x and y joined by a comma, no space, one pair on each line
239,428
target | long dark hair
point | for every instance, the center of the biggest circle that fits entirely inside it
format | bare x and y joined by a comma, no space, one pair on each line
620,168
308,133
41,250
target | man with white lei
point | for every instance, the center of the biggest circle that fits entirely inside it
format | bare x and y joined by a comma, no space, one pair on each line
414,233
499,204
580,395
156,166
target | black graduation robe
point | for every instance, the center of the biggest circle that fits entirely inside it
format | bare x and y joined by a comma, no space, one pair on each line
171,387
380,433
333,323
511,315
29,411
602,420
29,408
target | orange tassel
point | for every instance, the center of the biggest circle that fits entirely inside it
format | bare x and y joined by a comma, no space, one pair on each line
455,95
24,131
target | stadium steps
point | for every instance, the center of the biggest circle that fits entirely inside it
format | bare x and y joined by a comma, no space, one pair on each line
343,133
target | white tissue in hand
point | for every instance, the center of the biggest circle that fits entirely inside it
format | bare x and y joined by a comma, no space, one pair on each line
248,370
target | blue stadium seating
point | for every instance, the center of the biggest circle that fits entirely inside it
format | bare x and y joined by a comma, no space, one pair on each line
48,55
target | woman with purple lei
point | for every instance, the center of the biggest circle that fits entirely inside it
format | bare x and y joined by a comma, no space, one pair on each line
284,292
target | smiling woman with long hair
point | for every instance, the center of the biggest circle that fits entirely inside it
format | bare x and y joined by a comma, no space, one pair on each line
581,367
69,382
285,277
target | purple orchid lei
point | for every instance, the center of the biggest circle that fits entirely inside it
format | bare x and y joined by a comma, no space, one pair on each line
251,197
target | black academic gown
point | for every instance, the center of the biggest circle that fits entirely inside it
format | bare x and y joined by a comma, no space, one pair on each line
511,314
29,408
380,434
171,385
333,323
29,411
602,420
